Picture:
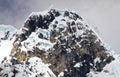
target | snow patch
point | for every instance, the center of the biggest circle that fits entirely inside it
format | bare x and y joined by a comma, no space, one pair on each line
38,67
110,70
77,65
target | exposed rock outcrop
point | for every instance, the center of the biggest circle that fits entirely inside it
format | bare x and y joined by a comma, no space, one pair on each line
62,39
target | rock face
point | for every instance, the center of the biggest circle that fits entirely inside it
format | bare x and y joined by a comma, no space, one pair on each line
61,39
75,50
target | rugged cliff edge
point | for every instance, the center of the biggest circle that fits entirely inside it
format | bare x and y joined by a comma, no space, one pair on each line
58,43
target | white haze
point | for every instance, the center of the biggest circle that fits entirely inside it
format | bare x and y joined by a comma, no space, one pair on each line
103,14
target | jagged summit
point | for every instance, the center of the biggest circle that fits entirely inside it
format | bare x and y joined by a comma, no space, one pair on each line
61,44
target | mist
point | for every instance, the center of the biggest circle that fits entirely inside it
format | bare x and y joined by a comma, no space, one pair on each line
103,14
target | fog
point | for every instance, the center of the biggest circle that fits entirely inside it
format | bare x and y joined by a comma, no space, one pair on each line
103,14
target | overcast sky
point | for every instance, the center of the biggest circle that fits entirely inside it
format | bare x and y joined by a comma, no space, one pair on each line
103,14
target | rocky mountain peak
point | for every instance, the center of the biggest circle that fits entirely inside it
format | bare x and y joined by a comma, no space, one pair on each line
60,41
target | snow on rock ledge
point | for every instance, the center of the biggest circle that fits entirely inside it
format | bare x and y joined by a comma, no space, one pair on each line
34,67
38,68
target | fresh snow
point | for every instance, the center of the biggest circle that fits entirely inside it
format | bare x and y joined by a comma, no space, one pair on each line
110,70
77,65
5,28
5,49
6,45
34,40
38,67
61,74
34,68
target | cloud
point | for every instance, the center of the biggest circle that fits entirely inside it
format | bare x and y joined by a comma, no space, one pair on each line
13,12
101,13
